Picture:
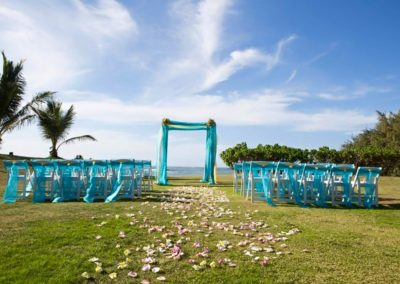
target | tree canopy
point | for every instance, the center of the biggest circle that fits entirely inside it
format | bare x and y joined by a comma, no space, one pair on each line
385,134
55,124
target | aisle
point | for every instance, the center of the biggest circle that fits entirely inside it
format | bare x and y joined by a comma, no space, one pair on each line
193,228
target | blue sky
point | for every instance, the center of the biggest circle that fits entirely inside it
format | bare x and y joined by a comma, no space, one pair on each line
300,73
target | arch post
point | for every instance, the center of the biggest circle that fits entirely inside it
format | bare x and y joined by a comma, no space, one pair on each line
162,156
211,153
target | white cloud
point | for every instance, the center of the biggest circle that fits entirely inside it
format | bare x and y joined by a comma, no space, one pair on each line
358,91
333,97
326,52
53,37
363,89
200,25
243,58
266,108
201,62
291,77
106,19
64,42
209,18
348,121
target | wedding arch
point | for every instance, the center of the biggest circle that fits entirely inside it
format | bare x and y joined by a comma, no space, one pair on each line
209,174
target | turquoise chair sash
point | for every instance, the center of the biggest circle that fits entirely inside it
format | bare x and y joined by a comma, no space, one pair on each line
123,187
13,178
367,178
341,176
287,180
98,183
45,186
261,179
69,180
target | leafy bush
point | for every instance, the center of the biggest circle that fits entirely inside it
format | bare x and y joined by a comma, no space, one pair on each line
387,158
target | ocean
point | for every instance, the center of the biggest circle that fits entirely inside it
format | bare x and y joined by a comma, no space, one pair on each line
194,171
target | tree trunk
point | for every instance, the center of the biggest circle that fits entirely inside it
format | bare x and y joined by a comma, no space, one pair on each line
53,151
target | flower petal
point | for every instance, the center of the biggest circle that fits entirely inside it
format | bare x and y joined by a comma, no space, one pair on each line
132,274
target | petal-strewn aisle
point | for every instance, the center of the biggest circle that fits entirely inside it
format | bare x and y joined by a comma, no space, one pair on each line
192,225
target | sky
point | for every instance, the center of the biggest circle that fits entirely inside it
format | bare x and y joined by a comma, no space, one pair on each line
302,73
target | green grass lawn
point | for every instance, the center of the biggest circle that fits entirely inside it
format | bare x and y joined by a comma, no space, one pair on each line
52,243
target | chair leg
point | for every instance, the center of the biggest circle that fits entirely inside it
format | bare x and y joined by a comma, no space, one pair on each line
376,195
247,190
24,188
252,191
78,189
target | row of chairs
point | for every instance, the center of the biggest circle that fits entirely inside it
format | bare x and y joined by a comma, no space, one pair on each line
306,184
67,180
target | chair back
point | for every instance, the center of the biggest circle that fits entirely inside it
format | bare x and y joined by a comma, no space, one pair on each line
148,172
7,164
345,171
287,181
124,182
18,180
259,169
238,167
44,180
313,186
367,178
341,175
98,181
260,179
127,168
69,179
368,174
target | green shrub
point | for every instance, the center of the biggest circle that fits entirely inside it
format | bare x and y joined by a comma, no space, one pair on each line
385,157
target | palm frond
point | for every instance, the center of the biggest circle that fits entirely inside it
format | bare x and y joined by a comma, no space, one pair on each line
10,124
12,88
36,101
51,120
77,138
24,116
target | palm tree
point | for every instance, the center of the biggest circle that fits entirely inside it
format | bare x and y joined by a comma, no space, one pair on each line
12,90
55,124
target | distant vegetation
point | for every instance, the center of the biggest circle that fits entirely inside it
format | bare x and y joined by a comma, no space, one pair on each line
379,146
385,134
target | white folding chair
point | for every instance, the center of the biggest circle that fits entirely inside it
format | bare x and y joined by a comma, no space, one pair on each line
366,180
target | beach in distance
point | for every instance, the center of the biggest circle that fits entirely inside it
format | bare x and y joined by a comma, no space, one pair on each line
195,171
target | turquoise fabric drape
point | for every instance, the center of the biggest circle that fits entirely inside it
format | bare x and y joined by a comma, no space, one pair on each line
369,175
124,183
97,185
69,173
209,174
10,193
18,173
45,185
